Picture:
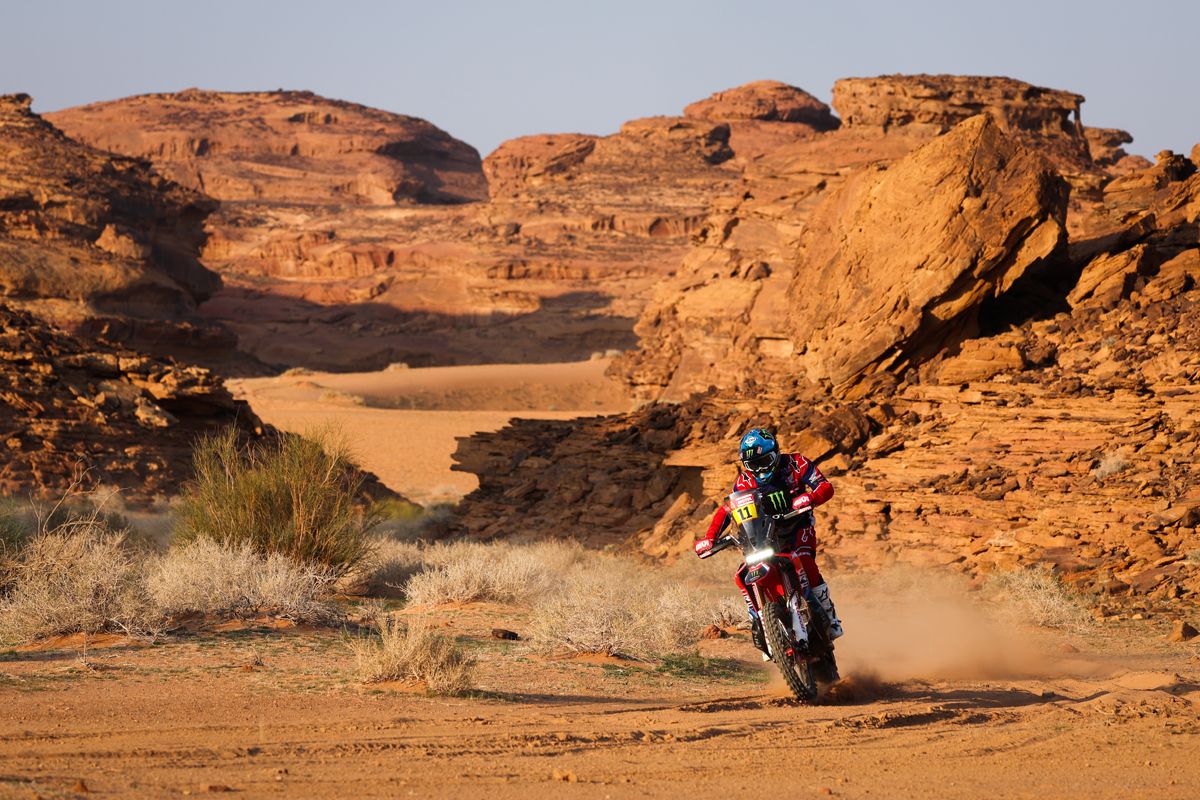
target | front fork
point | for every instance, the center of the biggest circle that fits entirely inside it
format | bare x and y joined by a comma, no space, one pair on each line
797,606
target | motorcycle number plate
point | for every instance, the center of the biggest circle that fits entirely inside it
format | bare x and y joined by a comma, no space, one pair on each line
745,509
757,573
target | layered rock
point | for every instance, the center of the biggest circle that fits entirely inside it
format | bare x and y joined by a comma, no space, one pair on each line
91,240
85,411
1066,440
905,256
284,147
939,102
321,274
796,292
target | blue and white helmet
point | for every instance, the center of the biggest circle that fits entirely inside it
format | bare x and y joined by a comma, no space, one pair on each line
759,453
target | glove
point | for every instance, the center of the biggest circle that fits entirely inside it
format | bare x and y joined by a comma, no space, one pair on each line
702,546
803,503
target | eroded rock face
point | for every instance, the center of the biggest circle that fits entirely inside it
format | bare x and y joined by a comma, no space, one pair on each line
939,102
837,284
767,101
87,238
899,260
294,147
980,454
70,408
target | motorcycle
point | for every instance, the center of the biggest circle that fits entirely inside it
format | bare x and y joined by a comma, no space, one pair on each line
793,623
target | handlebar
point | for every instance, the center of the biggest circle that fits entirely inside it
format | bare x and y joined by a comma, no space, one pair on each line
724,543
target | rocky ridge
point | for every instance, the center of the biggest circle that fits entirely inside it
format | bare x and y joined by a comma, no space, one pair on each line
97,242
1060,432
73,409
556,266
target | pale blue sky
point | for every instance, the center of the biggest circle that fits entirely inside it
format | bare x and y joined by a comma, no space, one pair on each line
489,71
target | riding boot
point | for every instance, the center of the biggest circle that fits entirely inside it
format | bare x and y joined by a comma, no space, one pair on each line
834,628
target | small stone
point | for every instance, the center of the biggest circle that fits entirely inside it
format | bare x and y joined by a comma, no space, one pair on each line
1067,647
80,787
215,787
713,632
1182,632
565,775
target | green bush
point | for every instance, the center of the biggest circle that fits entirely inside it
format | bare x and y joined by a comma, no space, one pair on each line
294,496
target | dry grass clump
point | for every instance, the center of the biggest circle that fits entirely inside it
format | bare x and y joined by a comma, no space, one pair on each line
391,564
467,572
620,609
211,578
413,652
1037,595
77,577
295,496
1111,464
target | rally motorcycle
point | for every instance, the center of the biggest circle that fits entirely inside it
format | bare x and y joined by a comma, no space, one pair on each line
792,621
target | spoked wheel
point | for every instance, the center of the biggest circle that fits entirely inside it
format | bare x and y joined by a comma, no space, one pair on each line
791,659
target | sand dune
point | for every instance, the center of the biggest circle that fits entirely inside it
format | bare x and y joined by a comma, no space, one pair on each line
403,424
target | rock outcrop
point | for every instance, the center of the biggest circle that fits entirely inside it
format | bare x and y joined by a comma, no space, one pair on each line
91,240
72,409
939,102
984,396
284,147
899,260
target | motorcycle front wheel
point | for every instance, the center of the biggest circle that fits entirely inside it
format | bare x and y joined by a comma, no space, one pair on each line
795,667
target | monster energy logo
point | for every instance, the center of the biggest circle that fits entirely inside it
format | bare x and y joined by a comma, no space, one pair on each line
778,500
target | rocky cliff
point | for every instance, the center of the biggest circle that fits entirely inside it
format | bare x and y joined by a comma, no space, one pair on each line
99,242
556,266
995,373
283,147
72,409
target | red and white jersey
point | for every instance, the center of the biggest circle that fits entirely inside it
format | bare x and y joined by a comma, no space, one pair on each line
795,474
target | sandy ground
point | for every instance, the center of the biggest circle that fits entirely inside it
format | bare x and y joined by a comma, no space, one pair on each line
266,712
403,425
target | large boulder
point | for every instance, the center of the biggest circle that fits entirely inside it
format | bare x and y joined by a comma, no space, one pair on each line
770,101
898,261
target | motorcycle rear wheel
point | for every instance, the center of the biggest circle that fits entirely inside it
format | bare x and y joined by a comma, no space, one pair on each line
795,668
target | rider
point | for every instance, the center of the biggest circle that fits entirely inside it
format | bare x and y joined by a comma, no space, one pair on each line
763,466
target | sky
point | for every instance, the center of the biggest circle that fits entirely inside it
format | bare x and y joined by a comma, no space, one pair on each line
490,70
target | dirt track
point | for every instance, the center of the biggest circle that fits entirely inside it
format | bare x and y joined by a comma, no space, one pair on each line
195,715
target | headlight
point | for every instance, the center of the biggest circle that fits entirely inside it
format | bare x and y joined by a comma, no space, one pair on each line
759,555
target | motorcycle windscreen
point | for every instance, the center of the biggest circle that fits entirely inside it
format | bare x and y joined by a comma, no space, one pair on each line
747,512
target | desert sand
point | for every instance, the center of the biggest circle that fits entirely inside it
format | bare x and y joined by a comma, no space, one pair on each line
404,424
924,711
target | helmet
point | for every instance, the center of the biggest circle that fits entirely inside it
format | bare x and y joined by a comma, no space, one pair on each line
760,453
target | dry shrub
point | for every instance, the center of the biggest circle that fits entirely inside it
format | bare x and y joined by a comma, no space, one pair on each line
78,577
617,608
412,651
295,496
391,564
1036,595
1111,464
502,573
213,578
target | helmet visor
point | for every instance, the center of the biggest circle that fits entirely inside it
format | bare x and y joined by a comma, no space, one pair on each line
762,463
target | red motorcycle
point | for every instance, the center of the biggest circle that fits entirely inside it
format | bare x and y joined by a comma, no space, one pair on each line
793,623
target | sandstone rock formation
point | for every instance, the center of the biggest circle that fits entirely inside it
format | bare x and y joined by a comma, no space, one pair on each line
284,147
899,260
939,102
94,241
1063,435
125,419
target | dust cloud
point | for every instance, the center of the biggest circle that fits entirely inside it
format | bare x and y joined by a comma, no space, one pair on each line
905,623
